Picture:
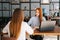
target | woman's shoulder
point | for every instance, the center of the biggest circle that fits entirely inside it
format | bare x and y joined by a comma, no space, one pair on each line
24,23
33,17
8,22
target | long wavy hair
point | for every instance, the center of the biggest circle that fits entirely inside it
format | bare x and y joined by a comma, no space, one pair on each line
16,21
40,14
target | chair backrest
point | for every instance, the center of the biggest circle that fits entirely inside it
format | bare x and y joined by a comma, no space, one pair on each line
8,38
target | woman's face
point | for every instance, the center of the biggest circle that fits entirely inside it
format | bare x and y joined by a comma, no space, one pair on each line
37,12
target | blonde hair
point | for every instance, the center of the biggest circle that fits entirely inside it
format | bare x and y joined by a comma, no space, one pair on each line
15,25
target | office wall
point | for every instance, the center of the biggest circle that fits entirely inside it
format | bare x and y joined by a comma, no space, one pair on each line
25,7
33,6
46,9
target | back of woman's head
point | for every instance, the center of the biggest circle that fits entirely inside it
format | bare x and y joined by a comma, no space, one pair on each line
17,15
15,25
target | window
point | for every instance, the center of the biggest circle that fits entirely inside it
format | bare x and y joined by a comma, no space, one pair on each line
25,6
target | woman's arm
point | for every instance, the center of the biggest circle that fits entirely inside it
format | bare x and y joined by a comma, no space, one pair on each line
29,30
30,21
5,29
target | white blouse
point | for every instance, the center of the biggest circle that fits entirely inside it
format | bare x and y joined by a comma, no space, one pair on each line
24,28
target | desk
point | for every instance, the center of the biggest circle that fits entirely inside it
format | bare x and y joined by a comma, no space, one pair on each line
56,32
2,34
57,19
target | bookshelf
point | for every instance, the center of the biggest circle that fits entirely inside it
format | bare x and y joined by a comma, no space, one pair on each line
4,12
5,9
29,6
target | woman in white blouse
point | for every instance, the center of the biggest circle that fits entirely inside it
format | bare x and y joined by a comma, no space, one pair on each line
17,27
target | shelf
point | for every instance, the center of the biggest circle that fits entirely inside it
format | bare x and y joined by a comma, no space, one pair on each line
54,2
33,10
15,3
35,2
45,3
24,2
29,2
5,10
5,17
4,2
53,10
26,10
29,10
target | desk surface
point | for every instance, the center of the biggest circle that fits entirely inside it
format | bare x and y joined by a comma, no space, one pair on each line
3,33
56,31
56,18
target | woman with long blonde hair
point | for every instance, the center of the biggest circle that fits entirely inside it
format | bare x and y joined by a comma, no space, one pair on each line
17,28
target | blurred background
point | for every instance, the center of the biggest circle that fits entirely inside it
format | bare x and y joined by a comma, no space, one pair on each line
50,9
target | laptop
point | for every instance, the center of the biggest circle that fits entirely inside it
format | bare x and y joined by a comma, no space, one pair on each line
47,26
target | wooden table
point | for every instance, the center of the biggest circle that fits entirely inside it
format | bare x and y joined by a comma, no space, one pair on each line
56,32
57,19
2,34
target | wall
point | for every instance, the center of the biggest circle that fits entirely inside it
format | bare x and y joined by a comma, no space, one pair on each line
33,6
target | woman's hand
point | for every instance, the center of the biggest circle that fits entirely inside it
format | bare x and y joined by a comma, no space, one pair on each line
34,28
